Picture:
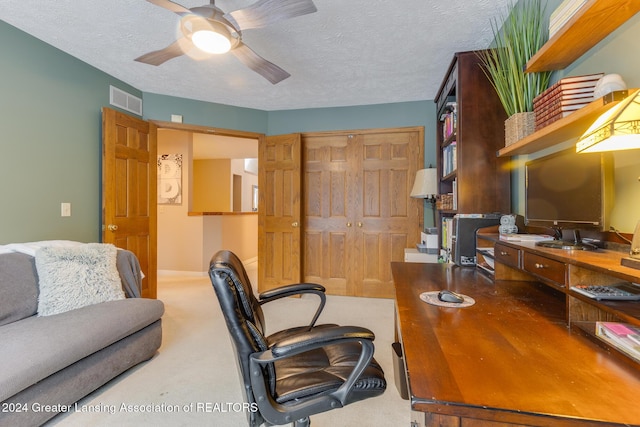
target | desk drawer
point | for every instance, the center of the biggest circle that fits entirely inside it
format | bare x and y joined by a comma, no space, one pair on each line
545,268
507,255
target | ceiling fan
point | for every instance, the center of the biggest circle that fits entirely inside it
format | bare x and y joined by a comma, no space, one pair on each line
213,31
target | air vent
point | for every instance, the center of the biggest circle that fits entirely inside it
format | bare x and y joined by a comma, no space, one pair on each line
124,100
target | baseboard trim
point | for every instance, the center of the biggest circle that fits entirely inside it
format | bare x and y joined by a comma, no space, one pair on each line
247,263
182,273
250,260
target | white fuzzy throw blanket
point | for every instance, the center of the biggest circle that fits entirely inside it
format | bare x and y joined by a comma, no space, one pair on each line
74,277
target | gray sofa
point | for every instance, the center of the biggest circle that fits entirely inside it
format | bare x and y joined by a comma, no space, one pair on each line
48,363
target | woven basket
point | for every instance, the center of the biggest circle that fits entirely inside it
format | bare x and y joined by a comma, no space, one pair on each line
518,126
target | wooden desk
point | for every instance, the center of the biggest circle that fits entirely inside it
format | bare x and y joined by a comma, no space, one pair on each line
510,359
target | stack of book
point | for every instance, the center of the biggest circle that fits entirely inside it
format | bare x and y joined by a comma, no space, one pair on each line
562,14
622,336
449,120
449,158
447,239
563,98
445,202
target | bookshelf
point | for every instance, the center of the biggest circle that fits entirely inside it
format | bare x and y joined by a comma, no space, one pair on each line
470,130
591,23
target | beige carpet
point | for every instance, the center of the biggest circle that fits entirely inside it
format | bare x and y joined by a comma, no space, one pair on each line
193,380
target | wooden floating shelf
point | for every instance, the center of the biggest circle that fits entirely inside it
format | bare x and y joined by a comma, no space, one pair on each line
590,24
571,126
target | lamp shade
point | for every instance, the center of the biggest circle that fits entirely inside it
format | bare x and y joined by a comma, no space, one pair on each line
426,184
616,129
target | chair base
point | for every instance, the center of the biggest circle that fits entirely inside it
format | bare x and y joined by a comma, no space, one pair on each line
304,422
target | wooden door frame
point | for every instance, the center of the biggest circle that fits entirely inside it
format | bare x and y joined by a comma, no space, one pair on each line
208,130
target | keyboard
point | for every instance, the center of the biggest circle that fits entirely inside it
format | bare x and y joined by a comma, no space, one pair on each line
619,291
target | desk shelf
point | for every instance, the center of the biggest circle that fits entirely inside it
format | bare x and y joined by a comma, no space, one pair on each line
600,267
589,330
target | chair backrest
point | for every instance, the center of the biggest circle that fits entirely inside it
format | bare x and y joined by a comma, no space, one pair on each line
243,317
249,303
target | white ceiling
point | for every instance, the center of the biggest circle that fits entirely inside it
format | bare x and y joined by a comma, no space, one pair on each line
350,52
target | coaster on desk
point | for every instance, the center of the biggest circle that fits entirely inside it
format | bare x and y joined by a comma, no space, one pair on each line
432,298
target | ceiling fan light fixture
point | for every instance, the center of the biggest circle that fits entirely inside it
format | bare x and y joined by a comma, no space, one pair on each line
207,35
211,41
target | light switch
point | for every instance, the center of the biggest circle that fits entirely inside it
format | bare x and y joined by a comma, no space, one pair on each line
65,209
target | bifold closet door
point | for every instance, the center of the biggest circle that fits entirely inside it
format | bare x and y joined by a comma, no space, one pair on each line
358,216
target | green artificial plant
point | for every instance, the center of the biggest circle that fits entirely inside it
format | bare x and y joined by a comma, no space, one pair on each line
523,33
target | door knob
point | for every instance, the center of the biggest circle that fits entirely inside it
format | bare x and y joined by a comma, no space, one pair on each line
348,224
360,224
112,227
294,224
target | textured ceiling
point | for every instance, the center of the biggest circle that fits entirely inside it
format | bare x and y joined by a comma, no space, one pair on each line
350,52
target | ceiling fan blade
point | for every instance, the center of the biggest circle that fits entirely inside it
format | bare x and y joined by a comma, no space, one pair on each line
266,69
266,12
169,5
158,57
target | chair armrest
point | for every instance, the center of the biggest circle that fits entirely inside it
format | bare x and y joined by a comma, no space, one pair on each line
304,342
293,290
316,338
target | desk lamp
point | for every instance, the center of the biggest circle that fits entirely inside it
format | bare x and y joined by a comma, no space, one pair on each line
617,129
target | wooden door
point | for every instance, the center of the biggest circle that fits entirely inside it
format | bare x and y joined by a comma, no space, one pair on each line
358,216
386,219
129,184
279,211
328,227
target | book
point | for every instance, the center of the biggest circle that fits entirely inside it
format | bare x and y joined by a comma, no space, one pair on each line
557,112
561,98
550,119
570,85
562,14
580,78
618,335
566,8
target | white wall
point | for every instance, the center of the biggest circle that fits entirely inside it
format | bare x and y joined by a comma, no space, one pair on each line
186,243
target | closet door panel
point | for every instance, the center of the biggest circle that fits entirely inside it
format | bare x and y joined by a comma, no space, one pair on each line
326,199
388,219
279,237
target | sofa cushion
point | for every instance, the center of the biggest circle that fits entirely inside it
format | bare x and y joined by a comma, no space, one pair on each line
37,347
77,276
18,287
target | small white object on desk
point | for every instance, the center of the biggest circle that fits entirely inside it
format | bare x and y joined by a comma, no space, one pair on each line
525,237
413,255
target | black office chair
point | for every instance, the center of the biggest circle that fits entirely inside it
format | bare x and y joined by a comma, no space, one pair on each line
298,372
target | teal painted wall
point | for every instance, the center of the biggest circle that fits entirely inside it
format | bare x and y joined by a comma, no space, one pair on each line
617,53
49,140
161,107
